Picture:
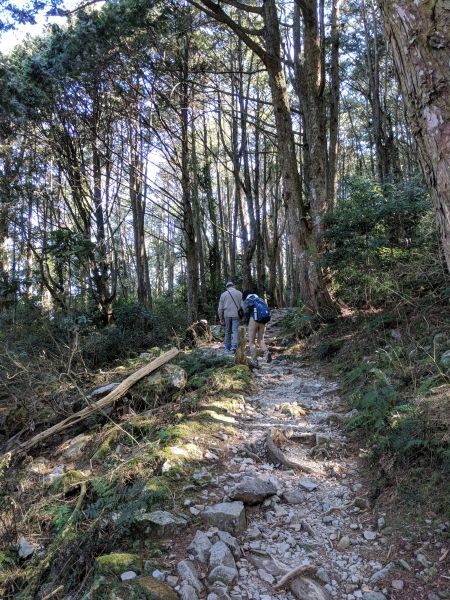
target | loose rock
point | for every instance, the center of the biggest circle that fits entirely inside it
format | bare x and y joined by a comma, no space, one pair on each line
252,490
229,516
187,571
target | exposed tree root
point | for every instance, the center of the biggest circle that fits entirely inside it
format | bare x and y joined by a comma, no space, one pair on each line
298,571
277,456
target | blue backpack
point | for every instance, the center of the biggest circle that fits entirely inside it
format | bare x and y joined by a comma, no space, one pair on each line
261,312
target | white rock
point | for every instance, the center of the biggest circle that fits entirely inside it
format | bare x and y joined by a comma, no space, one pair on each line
26,549
128,576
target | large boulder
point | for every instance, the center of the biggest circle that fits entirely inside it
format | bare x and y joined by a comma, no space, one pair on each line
228,516
252,490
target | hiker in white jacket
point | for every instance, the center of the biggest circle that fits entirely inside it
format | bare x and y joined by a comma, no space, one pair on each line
230,311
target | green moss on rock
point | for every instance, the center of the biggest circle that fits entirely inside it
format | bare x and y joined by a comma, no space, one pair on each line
117,563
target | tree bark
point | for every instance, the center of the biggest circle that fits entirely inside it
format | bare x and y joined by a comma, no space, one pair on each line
419,36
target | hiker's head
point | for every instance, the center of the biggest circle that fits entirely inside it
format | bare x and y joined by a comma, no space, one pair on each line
247,293
229,284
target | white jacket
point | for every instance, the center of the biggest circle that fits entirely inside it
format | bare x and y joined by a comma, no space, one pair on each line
229,303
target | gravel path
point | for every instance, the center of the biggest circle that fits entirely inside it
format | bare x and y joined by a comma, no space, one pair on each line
285,518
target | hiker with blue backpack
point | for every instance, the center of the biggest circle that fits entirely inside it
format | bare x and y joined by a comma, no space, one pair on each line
257,315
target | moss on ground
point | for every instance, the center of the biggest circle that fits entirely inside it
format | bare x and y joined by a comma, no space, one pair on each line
141,463
117,563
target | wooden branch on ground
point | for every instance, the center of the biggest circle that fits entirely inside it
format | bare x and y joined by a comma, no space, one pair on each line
278,457
112,397
302,570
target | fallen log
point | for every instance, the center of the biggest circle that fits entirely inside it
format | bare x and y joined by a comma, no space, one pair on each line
112,397
277,456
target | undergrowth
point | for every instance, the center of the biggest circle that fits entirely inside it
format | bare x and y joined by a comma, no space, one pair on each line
134,464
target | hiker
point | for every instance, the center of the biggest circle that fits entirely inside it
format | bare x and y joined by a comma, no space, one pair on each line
257,315
230,311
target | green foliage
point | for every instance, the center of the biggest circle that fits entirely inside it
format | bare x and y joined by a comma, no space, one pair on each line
59,514
122,504
371,232
300,323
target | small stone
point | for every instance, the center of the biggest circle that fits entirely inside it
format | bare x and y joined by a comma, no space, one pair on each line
304,588
381,523
323,575
26,549
200,547
187,572
379,575
220,554
293,496
128,576
172,580
152,588
369,535
373,596
265,576
231,542
308,484
344,543
398,584
55,474
187,592
210,455
405,564
226,575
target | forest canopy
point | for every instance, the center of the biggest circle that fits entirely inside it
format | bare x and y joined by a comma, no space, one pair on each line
156,149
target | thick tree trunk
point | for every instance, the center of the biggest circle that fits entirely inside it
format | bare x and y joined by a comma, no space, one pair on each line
190,242
313,288
137,201
419,36
334,102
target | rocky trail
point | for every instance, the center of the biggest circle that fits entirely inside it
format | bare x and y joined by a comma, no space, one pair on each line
305,529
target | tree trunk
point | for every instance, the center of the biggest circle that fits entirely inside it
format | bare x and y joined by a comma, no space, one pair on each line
313,288
334,102
418,34
137,201
190,242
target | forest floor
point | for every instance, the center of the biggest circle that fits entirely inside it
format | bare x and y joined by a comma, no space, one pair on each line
230,522
322,518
